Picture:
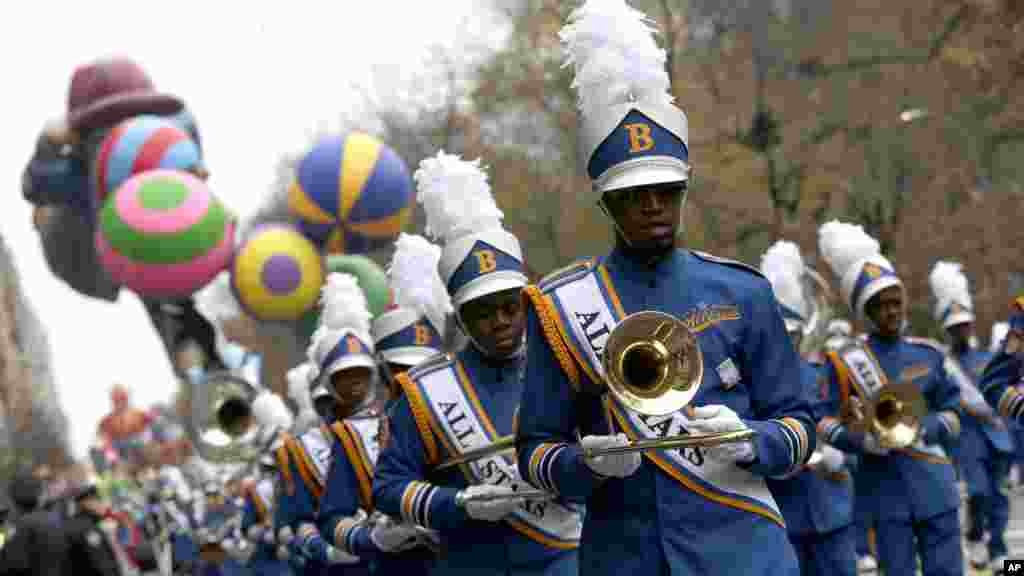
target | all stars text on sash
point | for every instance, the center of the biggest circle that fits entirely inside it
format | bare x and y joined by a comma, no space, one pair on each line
489,471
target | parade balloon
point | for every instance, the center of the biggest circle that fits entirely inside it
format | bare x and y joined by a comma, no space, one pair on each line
371,278
141,144
164,235
351,194
277,273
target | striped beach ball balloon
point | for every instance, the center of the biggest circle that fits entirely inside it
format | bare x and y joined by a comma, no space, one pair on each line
277,273
163,234
140,144
351,194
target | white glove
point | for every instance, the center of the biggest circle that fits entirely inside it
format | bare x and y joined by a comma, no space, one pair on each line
254,532
715,419
285,535
832,460
488,510
617,465
338,556
391,537
282,553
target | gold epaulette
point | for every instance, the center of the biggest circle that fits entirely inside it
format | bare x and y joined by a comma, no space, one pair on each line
727,262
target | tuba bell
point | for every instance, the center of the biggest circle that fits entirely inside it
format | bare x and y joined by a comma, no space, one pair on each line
819,296
222,426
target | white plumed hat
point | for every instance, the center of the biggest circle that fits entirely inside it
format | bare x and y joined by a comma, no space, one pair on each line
784,267
342,340
479,257
856,260
951,294
630,133
411,331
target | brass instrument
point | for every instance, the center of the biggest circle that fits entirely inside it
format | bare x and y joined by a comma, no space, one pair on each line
652,364
222,426
893,415
819,296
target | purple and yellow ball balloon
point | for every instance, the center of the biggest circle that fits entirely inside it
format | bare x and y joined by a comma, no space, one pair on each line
164,235
277,273
352,194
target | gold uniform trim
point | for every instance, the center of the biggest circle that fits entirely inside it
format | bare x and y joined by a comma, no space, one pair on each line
421,414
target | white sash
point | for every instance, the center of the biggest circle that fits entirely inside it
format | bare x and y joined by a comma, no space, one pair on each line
463,426
586,311
318,448
368,436
868,378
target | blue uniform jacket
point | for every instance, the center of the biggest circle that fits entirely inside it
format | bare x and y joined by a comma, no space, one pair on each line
905,484
979,438
468,546
650,523
810,502
299,488
348,490
999,383
259,512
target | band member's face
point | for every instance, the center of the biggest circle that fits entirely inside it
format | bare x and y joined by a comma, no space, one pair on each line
351,387
885,309
496,321
648,215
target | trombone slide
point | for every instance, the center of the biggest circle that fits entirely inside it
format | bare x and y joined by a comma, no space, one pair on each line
525,494
688,441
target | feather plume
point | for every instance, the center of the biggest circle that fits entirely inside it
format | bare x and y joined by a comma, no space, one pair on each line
344,311
270,411
784,267
456,197
299,378
999,332
216,302
615,58
415,280
949,285
843,245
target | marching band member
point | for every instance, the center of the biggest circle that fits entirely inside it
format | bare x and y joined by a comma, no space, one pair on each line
680,511
909,491
1003,377
816,503
258,521
467,400
342,354
985,445
404,337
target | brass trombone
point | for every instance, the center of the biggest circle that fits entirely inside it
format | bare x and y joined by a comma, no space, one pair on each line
893,415
652,364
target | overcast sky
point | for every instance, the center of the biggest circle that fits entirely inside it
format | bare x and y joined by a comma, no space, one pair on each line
260,78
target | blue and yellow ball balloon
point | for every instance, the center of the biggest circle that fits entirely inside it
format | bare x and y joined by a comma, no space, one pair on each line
352,194
277,274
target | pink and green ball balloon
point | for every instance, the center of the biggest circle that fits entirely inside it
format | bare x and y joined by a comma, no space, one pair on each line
277,273
164,235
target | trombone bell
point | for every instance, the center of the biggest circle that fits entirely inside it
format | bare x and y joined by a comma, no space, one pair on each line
235,417
894,415
652,363
222,425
